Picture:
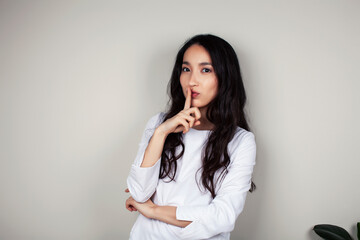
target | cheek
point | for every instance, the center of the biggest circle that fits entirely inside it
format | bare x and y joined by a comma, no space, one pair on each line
213,87
183,84
182,80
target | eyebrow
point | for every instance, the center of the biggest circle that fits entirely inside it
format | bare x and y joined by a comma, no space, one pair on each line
202,64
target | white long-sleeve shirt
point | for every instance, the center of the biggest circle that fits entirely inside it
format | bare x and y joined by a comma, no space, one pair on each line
211,218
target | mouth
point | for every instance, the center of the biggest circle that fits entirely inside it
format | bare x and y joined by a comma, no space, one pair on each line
194,94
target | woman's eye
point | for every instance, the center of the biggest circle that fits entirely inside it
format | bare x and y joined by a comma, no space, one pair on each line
206,70
185,69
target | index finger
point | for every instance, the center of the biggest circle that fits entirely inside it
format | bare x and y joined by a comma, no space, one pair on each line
188,99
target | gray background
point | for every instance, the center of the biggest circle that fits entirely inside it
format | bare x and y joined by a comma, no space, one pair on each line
79,80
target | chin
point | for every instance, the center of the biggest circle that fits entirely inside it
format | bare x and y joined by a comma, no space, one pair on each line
200,106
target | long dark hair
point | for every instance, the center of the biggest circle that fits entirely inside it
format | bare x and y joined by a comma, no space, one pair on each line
225,111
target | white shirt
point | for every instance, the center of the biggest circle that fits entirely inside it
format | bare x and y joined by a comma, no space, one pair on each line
211,218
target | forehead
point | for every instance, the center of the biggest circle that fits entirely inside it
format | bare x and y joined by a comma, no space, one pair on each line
196,54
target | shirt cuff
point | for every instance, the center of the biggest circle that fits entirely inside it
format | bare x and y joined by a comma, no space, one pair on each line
145,174
142,181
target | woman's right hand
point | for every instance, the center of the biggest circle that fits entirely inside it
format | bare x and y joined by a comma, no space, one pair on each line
184,120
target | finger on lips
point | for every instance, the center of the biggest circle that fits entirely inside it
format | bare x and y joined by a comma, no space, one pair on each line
188,99
192,113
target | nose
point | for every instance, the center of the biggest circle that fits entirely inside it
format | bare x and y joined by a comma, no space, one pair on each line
193,80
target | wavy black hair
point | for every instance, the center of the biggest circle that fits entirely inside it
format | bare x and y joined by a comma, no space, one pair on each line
225,111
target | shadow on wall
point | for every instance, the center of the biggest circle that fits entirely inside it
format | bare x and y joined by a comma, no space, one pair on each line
256,201
312,235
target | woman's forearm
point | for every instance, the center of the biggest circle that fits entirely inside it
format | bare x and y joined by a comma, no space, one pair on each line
154,148
167,214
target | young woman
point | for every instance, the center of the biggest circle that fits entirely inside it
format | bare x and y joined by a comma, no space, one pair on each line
194,165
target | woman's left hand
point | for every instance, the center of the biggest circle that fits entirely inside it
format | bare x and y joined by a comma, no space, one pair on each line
147,208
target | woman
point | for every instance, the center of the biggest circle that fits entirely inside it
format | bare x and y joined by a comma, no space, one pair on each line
194,164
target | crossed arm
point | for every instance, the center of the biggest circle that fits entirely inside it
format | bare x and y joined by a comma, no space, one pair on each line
165,214
221,213
147,208
204,221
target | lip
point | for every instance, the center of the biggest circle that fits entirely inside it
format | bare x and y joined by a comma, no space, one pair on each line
194,94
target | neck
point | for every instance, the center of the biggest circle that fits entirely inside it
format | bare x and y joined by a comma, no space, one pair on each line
205,124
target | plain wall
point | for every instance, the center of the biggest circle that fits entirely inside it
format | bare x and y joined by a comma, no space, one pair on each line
79,80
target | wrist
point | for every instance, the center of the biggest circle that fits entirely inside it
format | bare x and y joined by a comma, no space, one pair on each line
161,132
154,212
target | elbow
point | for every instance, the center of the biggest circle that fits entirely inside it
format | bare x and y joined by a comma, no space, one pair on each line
226,219
142,182
228,222
139,198
138,193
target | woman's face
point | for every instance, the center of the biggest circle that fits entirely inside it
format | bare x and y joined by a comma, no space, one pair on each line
198,73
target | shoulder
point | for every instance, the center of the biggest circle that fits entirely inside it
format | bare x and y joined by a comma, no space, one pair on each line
152,123
155,121
243,140
242,135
